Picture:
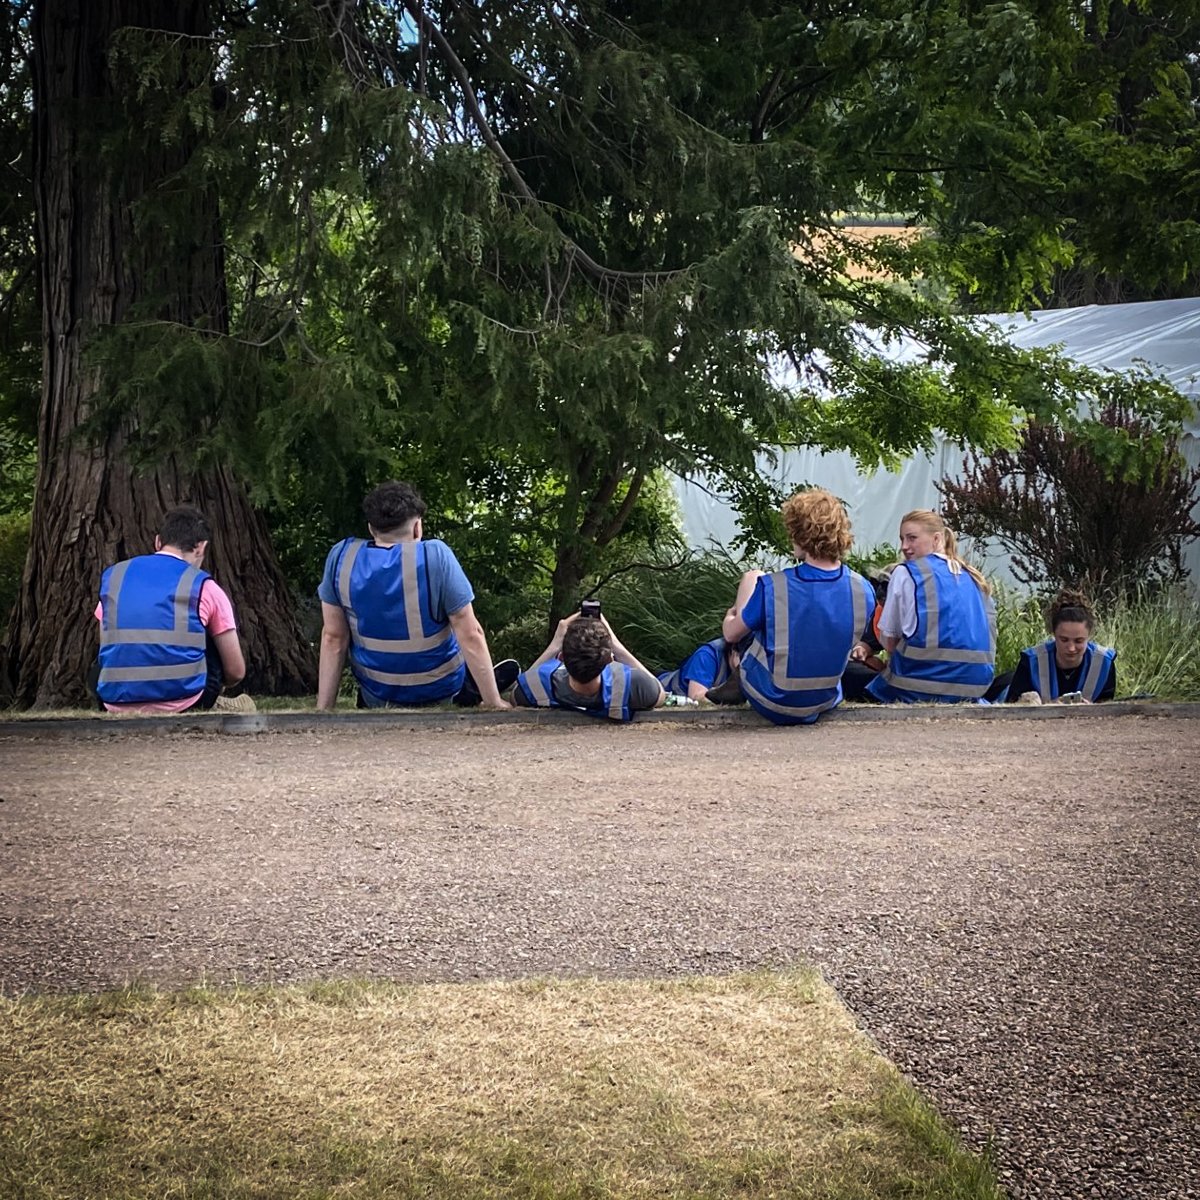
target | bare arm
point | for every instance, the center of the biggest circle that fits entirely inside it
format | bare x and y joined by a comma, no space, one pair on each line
229,650
473,643
554,650
733,627
335,642
697,691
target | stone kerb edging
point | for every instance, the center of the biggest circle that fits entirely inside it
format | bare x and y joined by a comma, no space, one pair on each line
439,720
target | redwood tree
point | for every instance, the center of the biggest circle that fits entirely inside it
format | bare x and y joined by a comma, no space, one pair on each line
103,257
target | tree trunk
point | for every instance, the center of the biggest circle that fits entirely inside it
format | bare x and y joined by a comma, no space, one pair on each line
90,507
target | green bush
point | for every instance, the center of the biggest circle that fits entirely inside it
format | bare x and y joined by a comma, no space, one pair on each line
1154,634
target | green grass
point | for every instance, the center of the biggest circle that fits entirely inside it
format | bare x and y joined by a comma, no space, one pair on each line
752,1086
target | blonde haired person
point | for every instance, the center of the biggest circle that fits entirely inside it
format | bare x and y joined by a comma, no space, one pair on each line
938,624
1069,661
803,621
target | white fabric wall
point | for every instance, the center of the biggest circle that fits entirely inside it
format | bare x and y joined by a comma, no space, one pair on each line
1164,334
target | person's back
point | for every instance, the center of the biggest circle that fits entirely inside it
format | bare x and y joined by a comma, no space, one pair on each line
938,623
804,620
810,619
402,608
168,638
403,650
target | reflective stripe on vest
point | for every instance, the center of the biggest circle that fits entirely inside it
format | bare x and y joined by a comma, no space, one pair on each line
179,635
140,663
826,687
1047,676
970,685
1097,659
615,680
413,644
1097,674
781,641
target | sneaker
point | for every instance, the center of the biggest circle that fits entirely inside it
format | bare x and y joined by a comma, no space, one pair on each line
506,672
235,704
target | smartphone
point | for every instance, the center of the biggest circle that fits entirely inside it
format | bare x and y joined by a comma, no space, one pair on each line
1071,698
589,608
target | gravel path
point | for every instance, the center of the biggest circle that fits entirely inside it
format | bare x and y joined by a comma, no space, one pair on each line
1010,907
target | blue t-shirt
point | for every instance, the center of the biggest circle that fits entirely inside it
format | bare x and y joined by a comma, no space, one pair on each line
703,666
449,588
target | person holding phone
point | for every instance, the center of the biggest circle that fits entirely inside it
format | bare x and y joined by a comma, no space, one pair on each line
587,668
1069,663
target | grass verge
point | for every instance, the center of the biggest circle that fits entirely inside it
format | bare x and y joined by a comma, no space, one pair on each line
750,1086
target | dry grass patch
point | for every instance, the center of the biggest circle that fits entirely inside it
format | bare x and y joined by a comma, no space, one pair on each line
751,1086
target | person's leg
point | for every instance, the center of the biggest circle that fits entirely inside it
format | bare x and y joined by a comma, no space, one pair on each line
504,672
854,683
729,692
999,687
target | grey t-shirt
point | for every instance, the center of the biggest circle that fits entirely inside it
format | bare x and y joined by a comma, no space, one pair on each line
643,692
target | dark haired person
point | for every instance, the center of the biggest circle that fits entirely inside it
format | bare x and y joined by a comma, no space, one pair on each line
707,667
596,675
168,637
401,606
804,620
1069,661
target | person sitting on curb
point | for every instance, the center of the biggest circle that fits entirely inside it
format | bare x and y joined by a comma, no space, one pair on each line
865,658
804,620
402,607
168,637
706,668
597,675
938,623
1069,661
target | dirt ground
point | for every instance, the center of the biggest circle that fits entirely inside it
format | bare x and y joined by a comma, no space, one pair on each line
1010,908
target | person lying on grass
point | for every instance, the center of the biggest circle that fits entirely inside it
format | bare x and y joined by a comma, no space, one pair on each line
707,667
587,668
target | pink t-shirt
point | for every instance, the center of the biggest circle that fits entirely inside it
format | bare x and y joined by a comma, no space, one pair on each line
216,615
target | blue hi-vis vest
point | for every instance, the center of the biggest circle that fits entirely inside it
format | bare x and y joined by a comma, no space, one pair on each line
616,682
1096,667
399,654
677,681
152,645
793,673
951,655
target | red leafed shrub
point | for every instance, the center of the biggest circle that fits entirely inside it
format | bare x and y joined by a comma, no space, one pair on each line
1105,504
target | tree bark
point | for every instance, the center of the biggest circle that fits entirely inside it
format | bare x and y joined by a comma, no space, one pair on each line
91,508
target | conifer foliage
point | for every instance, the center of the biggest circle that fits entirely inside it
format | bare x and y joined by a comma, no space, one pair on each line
530,255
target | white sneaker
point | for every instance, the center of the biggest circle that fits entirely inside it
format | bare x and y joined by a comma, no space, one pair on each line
235,704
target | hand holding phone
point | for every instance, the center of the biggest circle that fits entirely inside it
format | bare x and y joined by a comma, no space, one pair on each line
590,608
